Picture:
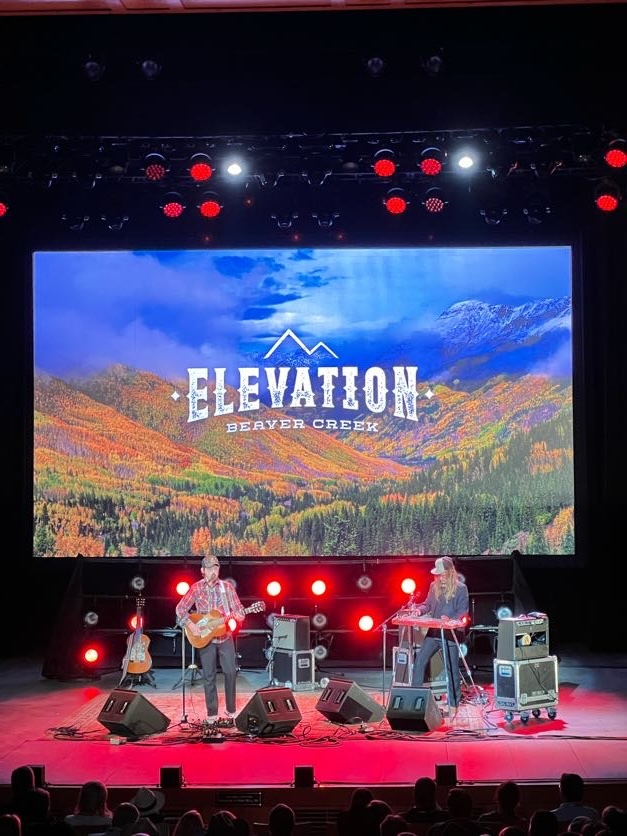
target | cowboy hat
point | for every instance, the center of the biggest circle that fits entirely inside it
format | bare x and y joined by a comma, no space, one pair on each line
148,801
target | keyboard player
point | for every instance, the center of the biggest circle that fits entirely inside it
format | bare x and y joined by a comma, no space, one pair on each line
447,599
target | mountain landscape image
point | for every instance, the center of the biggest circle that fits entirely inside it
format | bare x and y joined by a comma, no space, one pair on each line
484,466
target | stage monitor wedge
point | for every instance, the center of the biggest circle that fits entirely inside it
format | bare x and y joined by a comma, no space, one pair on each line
129,714
413,709
343,701
269,712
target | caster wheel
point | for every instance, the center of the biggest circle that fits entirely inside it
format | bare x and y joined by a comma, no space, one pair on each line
536,712
524,717
551,713
509,716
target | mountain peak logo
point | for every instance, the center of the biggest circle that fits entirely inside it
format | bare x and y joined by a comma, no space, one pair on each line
289,334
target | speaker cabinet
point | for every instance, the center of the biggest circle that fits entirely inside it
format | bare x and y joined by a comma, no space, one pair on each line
526,685
523,638
269,712
345,702
413,709
129,714
291,632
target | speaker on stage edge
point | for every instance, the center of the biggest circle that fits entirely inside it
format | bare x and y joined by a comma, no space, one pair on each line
269,712
413,709
129,714
343,701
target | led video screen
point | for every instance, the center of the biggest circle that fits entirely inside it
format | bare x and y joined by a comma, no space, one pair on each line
303,402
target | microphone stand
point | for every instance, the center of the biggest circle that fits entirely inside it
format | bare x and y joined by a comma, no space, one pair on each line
383,626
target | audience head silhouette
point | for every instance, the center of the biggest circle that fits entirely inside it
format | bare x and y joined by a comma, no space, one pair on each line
281,820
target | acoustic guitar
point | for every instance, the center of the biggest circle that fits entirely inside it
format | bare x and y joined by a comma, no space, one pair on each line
137,659
213,624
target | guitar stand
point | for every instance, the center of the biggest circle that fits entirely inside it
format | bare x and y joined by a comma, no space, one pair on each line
134,679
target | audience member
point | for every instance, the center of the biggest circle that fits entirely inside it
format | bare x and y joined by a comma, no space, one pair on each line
571,789
577,824
507,798
190,823
10,825
376,811
460,821
426,807
512,830
351,820
281,820
392,825
91,806
221,823
614,820
543,823
149,804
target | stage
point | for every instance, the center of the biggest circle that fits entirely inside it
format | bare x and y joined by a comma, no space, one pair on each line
55,724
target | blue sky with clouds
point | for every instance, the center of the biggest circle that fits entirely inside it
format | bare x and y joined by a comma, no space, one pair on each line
164,311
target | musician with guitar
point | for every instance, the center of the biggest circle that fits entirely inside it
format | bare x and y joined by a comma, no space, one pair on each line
215,601
447,601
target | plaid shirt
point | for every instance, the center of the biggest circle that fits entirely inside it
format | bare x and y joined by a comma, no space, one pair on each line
206,597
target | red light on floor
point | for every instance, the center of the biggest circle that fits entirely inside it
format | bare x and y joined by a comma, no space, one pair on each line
318,587
395,202
273,589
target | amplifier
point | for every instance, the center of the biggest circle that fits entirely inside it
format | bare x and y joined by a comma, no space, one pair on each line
522,638
525,685
291,632
403,666
295,669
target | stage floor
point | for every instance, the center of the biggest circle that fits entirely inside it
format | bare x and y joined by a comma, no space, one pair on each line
55,723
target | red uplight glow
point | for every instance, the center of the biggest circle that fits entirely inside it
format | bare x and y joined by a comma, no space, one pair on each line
3,209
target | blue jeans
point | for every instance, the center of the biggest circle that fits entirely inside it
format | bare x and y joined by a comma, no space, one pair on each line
430,647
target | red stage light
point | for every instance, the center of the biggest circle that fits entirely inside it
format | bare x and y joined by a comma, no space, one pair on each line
384,165
318,587
366,623
616,154
209,207
431,162
173,206
91,655
408,586
200,168
434,201
4,208
155,167
395,202
182,587
273,588
607,196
